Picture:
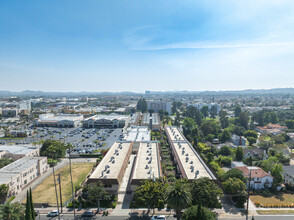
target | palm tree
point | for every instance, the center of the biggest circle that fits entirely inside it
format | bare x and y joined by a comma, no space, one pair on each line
12,211
70,147
52,151
179,197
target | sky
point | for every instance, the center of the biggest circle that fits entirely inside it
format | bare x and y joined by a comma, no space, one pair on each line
131,45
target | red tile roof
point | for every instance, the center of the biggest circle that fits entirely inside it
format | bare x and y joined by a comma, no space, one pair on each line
258,172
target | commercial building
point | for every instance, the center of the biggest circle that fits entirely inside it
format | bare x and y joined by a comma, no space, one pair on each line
9,112
22,172
135,118
18,151
157,105
188,162
153,121
106,121
59,120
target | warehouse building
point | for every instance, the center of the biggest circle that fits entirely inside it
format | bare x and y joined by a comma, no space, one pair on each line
188,162
59,120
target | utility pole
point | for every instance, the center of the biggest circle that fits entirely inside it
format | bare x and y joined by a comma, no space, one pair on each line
59,181
248,189
72,188
56,191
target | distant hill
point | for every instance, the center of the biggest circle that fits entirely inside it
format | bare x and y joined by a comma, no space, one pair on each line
30,93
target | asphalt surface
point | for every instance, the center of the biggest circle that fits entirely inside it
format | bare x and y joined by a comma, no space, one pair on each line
83,140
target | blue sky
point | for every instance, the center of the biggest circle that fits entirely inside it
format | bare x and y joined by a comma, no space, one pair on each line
120,45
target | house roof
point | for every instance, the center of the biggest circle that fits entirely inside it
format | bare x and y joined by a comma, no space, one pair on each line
255,172
254,151
289,170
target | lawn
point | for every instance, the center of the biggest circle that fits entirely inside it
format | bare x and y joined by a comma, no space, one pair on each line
275,212
45,192
280,199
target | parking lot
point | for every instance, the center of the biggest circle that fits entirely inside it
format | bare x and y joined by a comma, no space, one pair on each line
84,140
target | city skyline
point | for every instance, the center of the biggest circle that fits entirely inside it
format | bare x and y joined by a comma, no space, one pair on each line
112,46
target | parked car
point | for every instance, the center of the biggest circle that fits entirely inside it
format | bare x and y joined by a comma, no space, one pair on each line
161,217
53,213
88,214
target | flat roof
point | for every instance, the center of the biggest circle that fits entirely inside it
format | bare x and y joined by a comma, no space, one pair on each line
155,118
20,165
191,162
109,117
147,161
175,134
110,166
137,133
18,149
6,177
59,117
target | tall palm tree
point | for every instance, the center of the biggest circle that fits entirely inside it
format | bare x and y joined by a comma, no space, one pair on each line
179,197
70,147
52,151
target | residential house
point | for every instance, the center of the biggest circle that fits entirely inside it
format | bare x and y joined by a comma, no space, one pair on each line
238,140
259,178
254,153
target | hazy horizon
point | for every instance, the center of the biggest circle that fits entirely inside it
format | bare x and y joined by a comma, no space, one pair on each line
118,45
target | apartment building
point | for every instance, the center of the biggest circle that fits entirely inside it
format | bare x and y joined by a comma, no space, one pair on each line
22,172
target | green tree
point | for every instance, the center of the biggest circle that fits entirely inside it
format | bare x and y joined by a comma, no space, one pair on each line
198,213
243,120
210,127
277,174
206,193
204,111
28,212
32,205
269,164
142,105
251,140
234,186
188,125
94,192
178,197
12,211
150,193
234,173
237,111
193,112
59,149
225,135
3,192
5,161
225,151
290,124
239,154
213,111
174,107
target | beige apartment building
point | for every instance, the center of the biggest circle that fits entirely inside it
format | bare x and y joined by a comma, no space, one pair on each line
22,172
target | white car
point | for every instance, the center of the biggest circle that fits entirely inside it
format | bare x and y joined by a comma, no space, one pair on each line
53,213
161,217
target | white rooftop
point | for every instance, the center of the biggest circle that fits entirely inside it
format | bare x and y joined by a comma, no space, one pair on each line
20,165
109,117
59,117
137,133
18,149
175,133
147,162
111,164
192,164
